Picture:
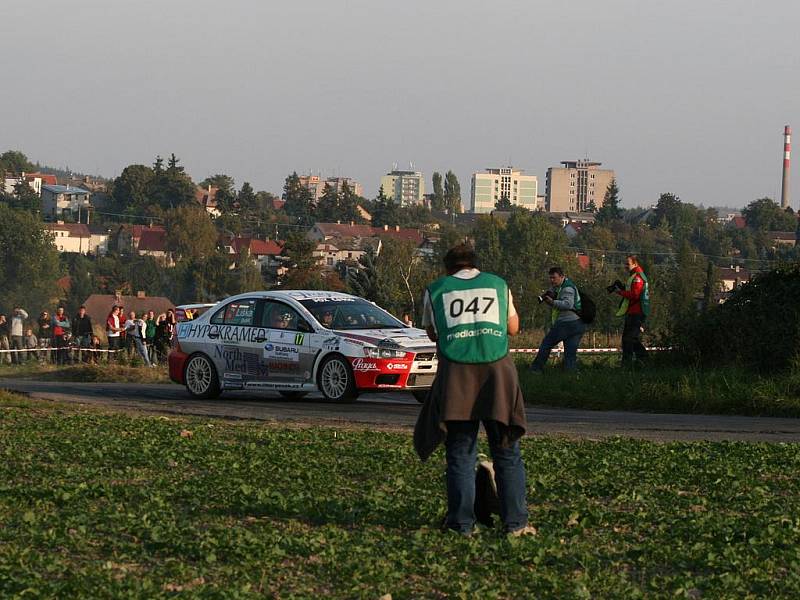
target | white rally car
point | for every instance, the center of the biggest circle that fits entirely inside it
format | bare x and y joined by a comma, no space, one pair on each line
295,342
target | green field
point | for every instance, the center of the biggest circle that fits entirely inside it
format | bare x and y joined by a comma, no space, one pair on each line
95,505
662,386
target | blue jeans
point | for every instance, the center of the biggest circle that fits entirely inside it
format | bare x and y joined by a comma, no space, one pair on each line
141,349
461,452
569,332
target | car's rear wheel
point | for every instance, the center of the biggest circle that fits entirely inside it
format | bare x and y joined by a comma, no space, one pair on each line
201,377
420,396
335,379
293,395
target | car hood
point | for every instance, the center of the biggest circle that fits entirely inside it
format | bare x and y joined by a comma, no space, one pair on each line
406,338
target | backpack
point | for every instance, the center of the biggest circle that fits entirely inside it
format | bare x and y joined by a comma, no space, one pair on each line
588,309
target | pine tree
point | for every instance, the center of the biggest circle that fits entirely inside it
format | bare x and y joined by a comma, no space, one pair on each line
610,210
504,203
299,202
327,210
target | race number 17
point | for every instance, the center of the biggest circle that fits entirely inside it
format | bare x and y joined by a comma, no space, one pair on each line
471,306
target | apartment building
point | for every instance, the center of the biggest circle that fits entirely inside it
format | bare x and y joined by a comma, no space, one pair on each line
406,188
576,186
493,184
316,185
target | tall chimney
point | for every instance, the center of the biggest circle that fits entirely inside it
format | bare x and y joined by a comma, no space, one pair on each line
787,160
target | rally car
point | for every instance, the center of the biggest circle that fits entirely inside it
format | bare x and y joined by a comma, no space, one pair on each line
296,342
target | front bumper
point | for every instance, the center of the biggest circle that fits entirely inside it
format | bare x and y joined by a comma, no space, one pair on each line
416,372
177,362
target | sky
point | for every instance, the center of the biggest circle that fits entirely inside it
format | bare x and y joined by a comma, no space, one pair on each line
685,96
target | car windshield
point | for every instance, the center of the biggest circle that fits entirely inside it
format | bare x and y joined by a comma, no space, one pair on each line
191,311
350,314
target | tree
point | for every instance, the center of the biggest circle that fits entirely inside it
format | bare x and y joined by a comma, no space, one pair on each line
504,203
29,268
299,202
348,205
24,198
384,211
190,233
327,210
247,274
363,280
131,191
437,203
81,284
487,232
304,269
246,198
205,279
226,191
766,215
171,187
15,162
452,193
533,246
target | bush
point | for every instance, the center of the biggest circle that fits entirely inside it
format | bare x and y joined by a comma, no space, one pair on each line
758,327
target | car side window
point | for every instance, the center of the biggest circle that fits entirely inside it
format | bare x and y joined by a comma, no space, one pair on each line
239,312
277,315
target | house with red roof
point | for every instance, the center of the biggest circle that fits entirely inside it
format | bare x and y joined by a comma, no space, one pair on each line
207,198
266,254
153,242
70,237
127,237
782,238
347,242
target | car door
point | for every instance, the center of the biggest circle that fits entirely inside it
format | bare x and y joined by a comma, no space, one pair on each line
237,342
288,350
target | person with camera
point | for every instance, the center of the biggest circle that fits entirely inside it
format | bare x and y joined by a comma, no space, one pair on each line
566,325
635,306
470,315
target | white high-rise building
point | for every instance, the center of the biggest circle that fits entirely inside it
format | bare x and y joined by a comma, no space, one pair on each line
493,184
406,188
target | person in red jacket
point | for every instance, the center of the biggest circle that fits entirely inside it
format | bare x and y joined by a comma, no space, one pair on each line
635,307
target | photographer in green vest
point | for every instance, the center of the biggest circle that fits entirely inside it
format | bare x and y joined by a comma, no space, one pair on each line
470,315
566,325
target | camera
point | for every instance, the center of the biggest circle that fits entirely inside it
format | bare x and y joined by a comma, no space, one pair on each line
547,294
617,285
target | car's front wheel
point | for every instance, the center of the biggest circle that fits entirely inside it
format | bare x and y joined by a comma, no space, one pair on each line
335,379
201,377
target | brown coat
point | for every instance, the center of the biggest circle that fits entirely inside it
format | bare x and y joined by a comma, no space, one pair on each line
470,392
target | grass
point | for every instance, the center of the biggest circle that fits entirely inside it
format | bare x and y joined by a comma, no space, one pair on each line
662,386
99,373
99,505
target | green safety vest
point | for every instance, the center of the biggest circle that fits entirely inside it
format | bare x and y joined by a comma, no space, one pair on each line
566,283
471,317
644,299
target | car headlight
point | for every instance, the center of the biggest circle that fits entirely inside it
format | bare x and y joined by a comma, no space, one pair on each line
384,353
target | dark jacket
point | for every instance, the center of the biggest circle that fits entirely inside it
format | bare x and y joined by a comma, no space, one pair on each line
81,326
471,392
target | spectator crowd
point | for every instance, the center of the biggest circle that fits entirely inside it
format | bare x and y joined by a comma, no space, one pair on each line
58,339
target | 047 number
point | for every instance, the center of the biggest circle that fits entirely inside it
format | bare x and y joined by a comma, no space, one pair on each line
457,306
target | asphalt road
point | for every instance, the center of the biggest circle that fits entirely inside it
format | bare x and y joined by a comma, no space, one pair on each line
400,411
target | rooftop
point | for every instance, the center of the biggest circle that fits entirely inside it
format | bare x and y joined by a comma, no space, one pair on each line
64,189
